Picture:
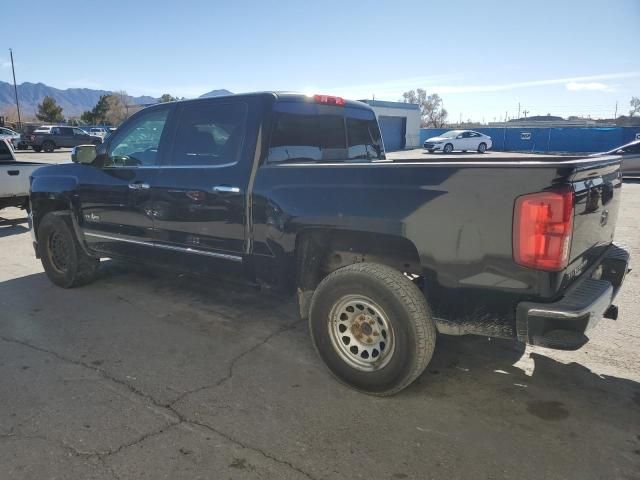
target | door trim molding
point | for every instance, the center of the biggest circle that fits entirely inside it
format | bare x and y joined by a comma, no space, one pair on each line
224,256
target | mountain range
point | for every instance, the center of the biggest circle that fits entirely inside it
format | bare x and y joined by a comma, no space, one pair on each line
73,101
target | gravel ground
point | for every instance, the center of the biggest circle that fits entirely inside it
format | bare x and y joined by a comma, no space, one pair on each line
147,374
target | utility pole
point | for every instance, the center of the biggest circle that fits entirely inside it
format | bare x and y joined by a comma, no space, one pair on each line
525,113
15,89
615,115
518,110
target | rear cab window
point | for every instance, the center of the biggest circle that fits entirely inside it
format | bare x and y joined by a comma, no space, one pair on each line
308,132
210,134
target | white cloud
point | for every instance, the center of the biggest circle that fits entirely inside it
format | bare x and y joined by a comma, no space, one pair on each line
6,64
83,83
578,86
394,89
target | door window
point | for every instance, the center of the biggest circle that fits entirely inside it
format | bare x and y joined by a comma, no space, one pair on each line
137,144
210,134
79,133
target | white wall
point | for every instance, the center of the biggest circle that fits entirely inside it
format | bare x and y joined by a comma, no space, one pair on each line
413,122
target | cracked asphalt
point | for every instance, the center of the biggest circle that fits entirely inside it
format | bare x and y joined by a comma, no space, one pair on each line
148,374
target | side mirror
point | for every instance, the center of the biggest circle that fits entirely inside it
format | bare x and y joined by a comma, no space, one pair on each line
84,154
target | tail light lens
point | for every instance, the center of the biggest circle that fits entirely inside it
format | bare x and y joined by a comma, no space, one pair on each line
329,100
542,229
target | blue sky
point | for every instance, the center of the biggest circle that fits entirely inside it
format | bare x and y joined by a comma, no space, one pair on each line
483,58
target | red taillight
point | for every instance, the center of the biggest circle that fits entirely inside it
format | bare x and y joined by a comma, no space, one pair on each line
542,227
329,100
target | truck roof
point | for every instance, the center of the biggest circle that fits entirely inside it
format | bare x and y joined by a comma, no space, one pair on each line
280,95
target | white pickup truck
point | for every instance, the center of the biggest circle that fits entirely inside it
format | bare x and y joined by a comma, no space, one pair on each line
14,178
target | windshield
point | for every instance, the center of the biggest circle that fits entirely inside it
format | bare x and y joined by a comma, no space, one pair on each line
451,134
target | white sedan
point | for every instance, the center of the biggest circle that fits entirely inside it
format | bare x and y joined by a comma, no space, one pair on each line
459,140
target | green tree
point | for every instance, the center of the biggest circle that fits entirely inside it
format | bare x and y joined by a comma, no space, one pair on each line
167,98
432,111
49,111
98,114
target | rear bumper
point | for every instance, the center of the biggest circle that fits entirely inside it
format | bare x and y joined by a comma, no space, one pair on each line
562,324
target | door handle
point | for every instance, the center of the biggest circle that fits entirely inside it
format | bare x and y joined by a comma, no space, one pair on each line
139,186
226,189
13,173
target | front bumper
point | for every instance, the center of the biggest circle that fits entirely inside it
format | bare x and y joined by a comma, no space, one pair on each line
432,146
562,324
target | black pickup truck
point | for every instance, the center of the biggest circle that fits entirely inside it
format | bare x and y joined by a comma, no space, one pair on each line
295,193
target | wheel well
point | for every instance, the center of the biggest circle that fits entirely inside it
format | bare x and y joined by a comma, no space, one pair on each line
43,207
322,251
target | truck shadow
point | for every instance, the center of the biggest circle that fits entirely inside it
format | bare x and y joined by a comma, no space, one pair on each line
473,384
13,226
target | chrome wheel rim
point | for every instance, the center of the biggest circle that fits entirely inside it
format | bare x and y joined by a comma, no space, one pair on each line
361,333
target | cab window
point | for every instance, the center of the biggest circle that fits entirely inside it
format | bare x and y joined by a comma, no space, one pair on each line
209,134
137,143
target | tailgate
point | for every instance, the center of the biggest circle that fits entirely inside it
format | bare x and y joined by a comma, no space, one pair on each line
14,179
597,187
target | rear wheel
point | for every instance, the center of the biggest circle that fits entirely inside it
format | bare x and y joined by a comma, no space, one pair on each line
371,326
482,147
48,146
448,148
63,259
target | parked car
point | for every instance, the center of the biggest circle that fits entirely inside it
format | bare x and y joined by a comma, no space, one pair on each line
465,140
13,138
295,193
14,178
630,158
101,132
60,137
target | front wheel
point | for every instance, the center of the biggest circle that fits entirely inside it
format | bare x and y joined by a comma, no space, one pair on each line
63,259
482,147
48,146
448,148
371,326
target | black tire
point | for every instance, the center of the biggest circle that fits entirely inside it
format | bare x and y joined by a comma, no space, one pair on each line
37,148
431,150
48,146
412,333
62,257
448,148
482,147
464,151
